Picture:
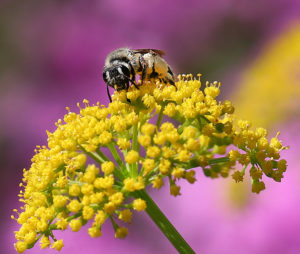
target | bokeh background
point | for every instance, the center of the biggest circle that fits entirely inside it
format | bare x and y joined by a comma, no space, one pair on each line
52,54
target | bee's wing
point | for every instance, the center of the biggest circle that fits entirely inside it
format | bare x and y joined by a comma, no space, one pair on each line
145,51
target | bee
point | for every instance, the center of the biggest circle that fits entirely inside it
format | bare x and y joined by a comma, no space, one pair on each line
122,66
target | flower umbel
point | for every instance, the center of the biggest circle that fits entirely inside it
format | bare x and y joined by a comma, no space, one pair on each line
154,133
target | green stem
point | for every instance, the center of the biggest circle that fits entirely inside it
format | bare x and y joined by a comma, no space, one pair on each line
135,147
135,144
164,224
218,160
117,157
93,155
99,157
102,155
115,154
160,117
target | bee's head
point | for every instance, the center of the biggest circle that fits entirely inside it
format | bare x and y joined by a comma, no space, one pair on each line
117,75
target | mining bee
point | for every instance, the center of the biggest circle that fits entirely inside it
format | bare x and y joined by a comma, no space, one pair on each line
122,65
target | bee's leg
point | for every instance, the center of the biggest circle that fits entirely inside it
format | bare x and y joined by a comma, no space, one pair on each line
170,72
143,67
126,88
170,79
132,71
136,86
153,74
132,80
107,90
172,83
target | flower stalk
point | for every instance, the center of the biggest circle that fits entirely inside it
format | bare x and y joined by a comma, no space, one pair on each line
164,224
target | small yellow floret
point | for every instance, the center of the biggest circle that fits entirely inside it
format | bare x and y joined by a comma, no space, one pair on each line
261,155
44,242
139,204
100,217
275,143
164,166
170,109
129,184
132,157
87,189
121,232
255,173
168,152
94,232
62,181
80,160
257,186
188,132
125,215
74,206
208,129
190,176
153,151
62,224
175,190
157,182
105,137
148,165
74,190
104,182
117,198
144,140
107,167
261,132
20,247
30,237
87,212
60,201
281,165
267,166
75,225
110,207
244,125
262,143
238,176
123,143
212,91
57,245
148,129
148,101
96,198
184,155
192,144
178,172
42,225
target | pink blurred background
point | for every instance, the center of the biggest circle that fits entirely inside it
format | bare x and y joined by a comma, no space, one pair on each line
52,54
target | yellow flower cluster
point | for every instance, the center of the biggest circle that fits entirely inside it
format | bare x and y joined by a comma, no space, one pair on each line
142,137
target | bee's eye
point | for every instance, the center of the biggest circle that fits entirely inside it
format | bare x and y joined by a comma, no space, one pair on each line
125,71
105,76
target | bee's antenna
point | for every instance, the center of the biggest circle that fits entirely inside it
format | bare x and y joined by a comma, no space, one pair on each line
107,90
